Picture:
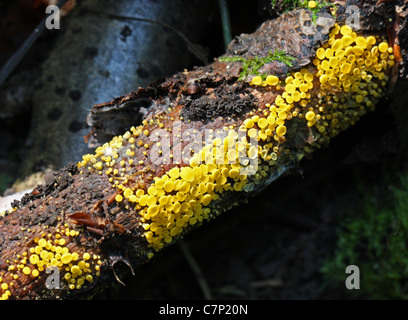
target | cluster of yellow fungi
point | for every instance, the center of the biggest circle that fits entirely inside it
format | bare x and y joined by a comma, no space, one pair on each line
50,250
349,72
346,79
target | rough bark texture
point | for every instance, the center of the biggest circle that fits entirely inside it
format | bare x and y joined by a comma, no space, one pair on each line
79,215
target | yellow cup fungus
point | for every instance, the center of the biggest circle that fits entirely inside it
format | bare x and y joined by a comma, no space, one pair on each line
347,77
50,250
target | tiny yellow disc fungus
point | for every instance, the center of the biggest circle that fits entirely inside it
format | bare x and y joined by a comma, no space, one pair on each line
174,173
337,45
272,80
98,166
252,133
153,210
34,259
76,270
281,131
345,68
383,46
310,115
359,98
42,242
321,53
152,190
290,88
358,51
66,258
257,80
345,30
347,41
263,123
371,40
26,270
323,79
169,186
186,173
361,42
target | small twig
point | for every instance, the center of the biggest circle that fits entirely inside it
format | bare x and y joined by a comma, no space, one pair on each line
225,20
196,269
21,52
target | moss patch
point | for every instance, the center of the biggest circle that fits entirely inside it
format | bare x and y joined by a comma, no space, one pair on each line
252,66
376,241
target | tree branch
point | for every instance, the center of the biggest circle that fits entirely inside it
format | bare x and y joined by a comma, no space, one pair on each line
207,141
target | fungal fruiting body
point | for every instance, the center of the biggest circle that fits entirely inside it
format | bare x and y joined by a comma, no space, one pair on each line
170,174
347,78
49,253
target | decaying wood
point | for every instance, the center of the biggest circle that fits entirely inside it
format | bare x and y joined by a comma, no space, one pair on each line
78,210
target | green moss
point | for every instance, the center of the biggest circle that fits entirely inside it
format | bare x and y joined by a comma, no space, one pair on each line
252,66
376,241
288,5
5,181
319,6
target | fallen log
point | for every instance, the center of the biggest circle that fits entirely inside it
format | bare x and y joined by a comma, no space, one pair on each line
209,138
